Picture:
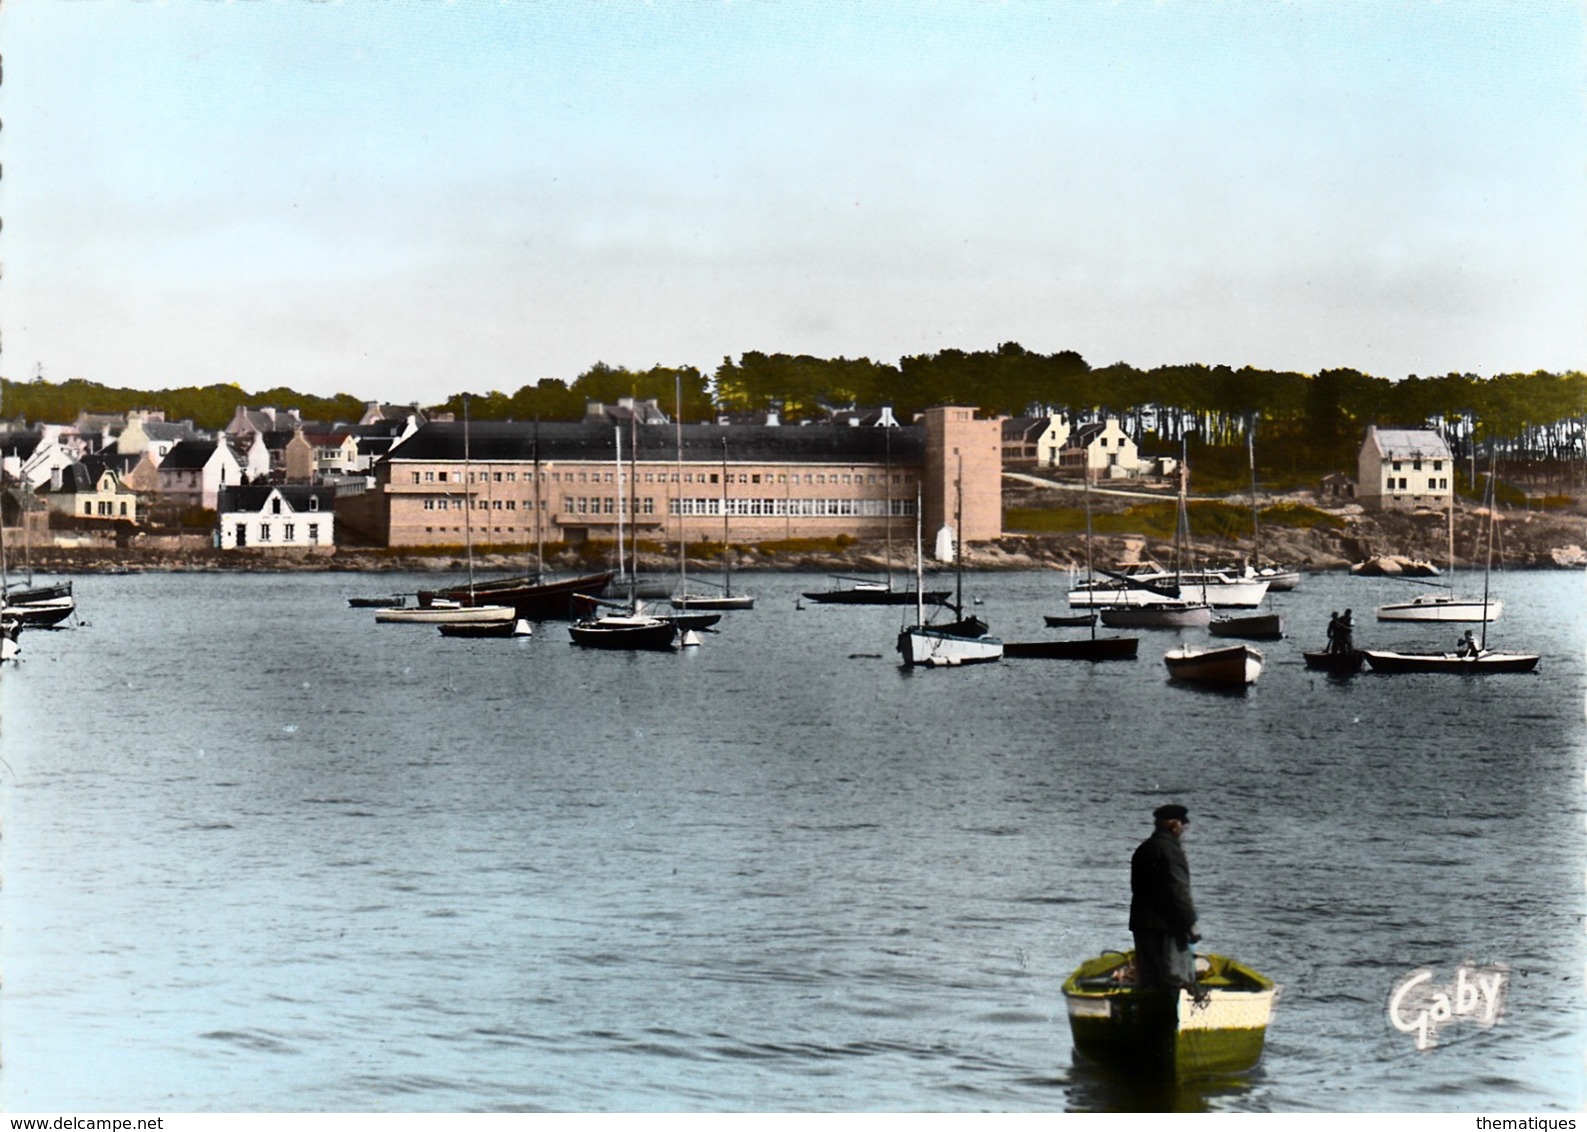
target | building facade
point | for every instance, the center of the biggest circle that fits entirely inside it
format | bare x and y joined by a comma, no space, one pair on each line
507,483
1404,469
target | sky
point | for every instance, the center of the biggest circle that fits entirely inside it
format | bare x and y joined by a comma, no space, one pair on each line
407,199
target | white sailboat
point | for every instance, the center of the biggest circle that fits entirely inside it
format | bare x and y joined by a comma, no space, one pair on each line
1171,604
727,599
1447,606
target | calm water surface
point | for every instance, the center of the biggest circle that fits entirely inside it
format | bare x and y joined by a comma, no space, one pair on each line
262,854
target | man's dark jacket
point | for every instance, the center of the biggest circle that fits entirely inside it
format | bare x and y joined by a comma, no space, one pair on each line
1160,887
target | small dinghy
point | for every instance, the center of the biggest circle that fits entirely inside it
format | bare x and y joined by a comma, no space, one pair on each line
1342,662
1216,1029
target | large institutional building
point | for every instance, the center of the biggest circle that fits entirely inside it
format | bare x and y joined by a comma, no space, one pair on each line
449,483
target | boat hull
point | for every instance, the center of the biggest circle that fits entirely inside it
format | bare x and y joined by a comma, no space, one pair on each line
447,615
1158,589
937,649
1082,648
1482,664
878,596
626,633
517,627
1259,627
1325,661
1176,615
1236,666
707,603
395,601
40,614
542,601
686,622
1167,1033
1441,608
1069,620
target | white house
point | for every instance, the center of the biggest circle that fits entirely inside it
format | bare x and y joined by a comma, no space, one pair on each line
1035,440
1402,469
276,516
1101,450
193,473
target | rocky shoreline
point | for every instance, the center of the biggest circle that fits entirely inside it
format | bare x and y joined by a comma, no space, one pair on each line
1531,540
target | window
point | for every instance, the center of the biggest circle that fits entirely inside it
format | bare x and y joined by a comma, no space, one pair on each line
275,507
123,510
754,479
429,477
442,477
264,532
1416,465
314,503
497,477
1396,465
496,505
713,477
512,477
567,503
289,531
1438,465
429,505
415,477
88,508
314,533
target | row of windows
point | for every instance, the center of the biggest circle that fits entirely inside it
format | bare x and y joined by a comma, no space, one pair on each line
106,508
1434,483
664,477
289,532
706,505
863,507
1416,465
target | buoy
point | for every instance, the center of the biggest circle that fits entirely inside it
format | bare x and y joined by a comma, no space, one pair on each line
522,628
691,639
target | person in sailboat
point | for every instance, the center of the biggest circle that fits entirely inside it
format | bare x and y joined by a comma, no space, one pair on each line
1343,635
1333,631
1467,646
1162,913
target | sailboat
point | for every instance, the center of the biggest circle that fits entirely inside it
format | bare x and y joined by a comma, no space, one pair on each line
533,596
963,641
10,627
847,590
624,627
1080,648
466,608
1279,579
727,599
1446,606
1168,608
1471,657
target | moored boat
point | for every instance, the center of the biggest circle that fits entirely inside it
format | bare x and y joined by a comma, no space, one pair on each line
1216,1029
1231,666
1069,620
1442,607
391,601
444,613
1077,648
1253,627
1163,615
1333,660
1481,662
860,591
517,627
632,631
528,595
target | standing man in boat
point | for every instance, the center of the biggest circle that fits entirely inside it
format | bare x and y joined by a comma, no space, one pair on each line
1162,914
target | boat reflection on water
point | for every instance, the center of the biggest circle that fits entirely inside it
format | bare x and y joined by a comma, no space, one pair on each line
1089,1087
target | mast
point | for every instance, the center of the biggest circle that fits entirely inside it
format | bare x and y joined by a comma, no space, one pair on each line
677,476
633,508
1256,525
540,546
1090,577
618,430
958,537
920,601
887,484
1487,566
727,557
468,504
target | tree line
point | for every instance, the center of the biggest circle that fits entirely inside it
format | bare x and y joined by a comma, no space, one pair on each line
1315,420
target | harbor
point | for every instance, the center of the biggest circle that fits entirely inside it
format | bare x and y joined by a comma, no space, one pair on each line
777,871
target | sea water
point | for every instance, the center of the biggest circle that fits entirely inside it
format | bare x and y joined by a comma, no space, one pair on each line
261,853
